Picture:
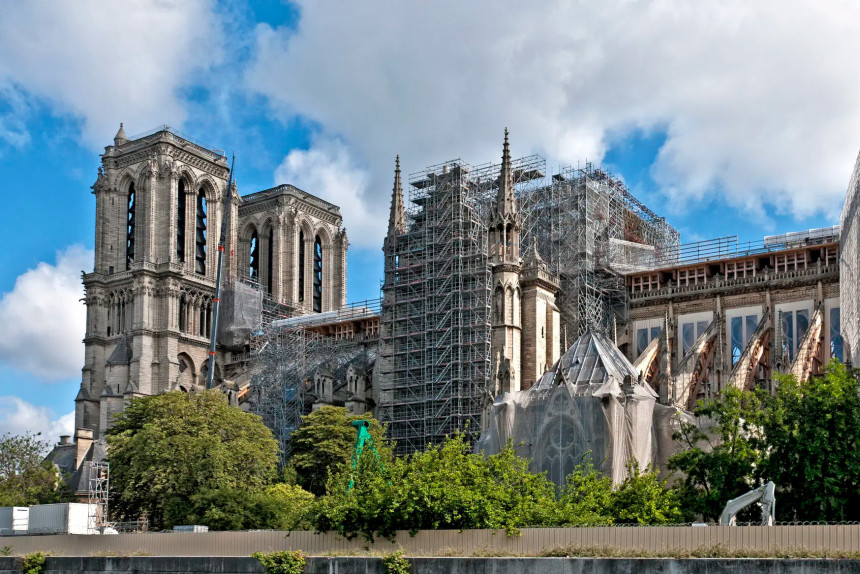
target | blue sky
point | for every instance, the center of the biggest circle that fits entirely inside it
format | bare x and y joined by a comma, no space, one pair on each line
726,118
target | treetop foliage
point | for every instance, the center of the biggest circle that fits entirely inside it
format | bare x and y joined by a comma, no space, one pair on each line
25,477
167,449
803,437
324,443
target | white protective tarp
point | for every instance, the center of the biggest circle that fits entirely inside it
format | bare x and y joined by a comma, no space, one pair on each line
590,402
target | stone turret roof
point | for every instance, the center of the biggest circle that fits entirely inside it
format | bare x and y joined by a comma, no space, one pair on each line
120,137
506,203
397,217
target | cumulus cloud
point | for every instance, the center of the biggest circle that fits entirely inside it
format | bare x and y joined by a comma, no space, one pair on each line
44,320
107,62
328,171
757,100
17,416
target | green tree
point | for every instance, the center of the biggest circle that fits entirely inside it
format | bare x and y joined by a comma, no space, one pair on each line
718,462
812,437
25,477
167,448
585,498
276,507
446,486
644,499
324,443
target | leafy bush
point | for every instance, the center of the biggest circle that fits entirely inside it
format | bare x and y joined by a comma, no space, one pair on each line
586,497
805,438
445,486
286,562
275,507
34,563
644,499
396,563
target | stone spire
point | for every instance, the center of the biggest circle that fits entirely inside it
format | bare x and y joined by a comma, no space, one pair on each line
397,218
506,203
120,137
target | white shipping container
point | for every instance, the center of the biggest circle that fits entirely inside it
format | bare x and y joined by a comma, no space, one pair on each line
68,518
14,520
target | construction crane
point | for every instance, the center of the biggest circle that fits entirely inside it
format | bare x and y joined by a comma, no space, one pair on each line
362,439
764,493
216,309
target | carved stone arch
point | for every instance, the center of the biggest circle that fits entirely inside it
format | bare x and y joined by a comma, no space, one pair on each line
509,304
187,373
247,229
267,224
124,178
302,224
186,173
324,235
210,188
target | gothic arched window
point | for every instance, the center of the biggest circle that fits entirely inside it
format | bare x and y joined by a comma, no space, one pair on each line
183,314
499,305
301,266
129,232
200,237
269,258
254,262
180,221
318,267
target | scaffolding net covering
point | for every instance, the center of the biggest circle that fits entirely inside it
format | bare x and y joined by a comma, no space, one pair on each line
289,368
239,314
590,405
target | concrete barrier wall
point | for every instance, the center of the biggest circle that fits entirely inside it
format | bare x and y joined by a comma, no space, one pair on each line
360,565
532,541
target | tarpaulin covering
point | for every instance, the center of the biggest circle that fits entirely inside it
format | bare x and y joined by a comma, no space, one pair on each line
590,402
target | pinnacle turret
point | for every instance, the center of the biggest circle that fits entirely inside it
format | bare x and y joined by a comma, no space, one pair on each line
120,137
506,203
397,218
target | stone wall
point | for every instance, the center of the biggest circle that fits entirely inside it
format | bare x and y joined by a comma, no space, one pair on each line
373,565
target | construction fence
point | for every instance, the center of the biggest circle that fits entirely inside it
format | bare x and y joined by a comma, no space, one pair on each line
530,542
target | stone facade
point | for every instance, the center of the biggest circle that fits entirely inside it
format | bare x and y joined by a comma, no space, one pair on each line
849,266
711,317
159,208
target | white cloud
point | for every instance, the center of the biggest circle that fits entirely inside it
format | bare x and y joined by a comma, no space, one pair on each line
106,61
758,100
44,320
17,416
328,171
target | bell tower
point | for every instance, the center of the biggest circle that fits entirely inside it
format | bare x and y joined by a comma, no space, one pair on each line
159,206
504,243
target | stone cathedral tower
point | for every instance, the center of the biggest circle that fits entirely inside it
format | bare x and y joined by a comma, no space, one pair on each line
159,204
159,208
504,244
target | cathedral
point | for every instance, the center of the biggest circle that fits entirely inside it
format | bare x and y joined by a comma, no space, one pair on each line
160,201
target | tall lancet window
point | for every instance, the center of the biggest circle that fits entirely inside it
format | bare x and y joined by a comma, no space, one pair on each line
254,263
301,266
129,231
180,221
200,237
270,250
318,265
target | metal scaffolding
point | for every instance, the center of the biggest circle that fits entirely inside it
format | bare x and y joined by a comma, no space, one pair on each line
435,329
435,344
591,231
285,361
98,495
